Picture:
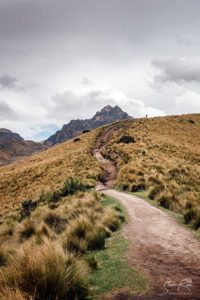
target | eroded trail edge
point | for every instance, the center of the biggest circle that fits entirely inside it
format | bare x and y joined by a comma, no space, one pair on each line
165,251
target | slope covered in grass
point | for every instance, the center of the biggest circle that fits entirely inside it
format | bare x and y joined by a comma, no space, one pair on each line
50,254
161,156
46,171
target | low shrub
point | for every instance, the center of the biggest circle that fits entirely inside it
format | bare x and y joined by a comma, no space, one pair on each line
77,140
85,131
71,186
126,139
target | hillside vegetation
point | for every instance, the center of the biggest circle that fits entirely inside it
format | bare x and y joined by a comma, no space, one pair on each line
157,155
50,253
49,245
31,177
161,156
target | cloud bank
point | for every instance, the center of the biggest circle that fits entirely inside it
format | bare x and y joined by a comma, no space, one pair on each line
67,59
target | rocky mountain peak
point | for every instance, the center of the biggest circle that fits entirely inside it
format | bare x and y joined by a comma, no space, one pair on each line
106,115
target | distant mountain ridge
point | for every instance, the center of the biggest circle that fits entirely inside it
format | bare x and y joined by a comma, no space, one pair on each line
13,146
106,116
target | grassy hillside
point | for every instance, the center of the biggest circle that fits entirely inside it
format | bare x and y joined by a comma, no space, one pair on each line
162,157
50,254
52,250
46,171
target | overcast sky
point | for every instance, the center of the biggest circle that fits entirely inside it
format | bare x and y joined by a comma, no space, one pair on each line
66,59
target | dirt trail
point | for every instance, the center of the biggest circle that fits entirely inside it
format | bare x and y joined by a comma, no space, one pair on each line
161,248
108,166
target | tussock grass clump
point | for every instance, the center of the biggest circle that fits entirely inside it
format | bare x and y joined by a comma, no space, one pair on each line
42,232
96,238
7,230
55,221
154,191
47,272
111,219
80,226
26,229
73,244
164,201
192,216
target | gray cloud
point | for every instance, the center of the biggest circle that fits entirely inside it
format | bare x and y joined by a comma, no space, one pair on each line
9,82
69,105
177,70
57,43
6,112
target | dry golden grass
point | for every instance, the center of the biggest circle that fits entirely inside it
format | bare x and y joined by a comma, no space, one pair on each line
164,160
46,171
45,254
8,294
46,272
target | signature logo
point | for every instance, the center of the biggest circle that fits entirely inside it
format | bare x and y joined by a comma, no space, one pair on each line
177,288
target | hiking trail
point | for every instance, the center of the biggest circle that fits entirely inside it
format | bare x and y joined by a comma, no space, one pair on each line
167,253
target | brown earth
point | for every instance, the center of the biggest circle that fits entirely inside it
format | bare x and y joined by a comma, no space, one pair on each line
165,251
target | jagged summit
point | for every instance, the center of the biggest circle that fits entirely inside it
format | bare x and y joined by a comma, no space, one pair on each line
106,115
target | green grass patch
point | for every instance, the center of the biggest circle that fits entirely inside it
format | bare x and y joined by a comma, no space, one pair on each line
107,200
110,201
113,272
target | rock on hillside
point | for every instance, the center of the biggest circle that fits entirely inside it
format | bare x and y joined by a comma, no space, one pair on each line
106,116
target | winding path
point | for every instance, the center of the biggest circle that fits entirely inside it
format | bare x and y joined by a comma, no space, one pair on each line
165,251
